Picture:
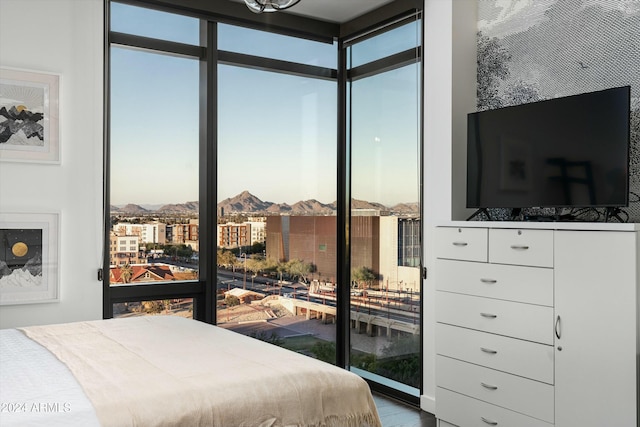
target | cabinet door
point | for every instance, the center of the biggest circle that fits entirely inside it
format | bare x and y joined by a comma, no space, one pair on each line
596,289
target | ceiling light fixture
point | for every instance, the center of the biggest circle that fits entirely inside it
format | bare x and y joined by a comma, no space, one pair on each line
259,6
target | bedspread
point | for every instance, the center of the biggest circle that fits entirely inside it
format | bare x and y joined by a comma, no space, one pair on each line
165,371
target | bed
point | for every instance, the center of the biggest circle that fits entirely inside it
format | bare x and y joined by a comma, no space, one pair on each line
169,371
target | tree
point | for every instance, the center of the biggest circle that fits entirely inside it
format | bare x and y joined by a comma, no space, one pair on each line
126,271
281,268
152,307
271,265
226,259
277,267
492,67
401,360
258,248
255,264
184,251
298,269
363,276
325,351
232,300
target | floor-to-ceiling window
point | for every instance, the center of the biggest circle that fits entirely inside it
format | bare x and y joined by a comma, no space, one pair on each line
276,185
224,186
154,173
385,141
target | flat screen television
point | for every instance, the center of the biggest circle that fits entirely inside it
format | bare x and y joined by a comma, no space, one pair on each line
564,152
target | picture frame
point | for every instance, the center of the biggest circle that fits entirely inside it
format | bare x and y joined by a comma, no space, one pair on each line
29,260
29,116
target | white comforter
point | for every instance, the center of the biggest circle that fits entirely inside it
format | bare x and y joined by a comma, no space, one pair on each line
163,371
36,389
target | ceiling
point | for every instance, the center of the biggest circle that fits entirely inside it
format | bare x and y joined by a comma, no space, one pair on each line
337,11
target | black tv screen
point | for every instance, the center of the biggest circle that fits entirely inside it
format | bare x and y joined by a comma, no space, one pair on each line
563,152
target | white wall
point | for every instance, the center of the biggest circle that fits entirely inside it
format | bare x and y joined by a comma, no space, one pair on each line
450,94
65,37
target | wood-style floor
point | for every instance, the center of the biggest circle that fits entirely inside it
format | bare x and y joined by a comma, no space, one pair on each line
398,414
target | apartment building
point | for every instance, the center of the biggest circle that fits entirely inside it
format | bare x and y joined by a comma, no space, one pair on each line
154,232
124,249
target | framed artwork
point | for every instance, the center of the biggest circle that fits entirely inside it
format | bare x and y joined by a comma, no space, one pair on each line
29,263
29,116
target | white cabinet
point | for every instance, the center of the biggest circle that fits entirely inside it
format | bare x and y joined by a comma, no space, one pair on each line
537,327
597,349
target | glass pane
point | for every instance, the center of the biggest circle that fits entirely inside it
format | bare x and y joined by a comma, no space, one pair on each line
385,229
140,21
394,41
269,45
182,307
154,168
276,209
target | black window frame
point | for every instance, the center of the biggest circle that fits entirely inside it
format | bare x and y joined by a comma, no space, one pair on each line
203,291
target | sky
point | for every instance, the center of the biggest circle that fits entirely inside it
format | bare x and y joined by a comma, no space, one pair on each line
277,133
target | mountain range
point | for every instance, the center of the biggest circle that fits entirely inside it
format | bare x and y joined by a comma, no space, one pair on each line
246,202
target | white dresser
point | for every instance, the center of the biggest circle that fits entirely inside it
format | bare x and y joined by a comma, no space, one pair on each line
537,324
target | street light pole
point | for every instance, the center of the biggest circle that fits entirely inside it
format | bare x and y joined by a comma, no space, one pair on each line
244,282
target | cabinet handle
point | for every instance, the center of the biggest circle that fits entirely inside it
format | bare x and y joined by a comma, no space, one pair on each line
489,386
558,327
489,315
519,247
460,243
488,350
488,421
490,281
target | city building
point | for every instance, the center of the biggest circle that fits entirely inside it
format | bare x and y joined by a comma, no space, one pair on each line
141,273
233,235
257,229
154,232
184,234
388,245
124,249
400,251
236,235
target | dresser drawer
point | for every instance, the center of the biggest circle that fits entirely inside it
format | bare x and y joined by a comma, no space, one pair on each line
518,357
464,411
467,244
521,247
513,319
519,394
533,285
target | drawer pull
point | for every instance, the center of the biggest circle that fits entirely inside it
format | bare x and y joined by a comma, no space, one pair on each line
488,421
558,327
489,386
490,281
460,243
488,350
519,247
489,315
